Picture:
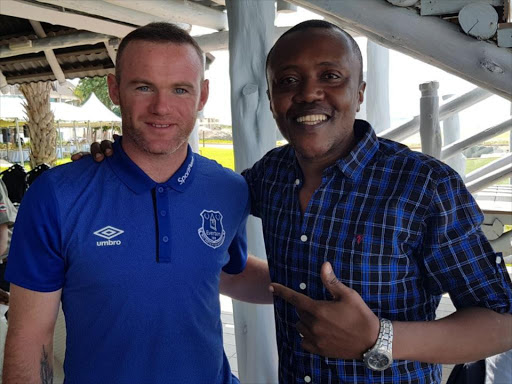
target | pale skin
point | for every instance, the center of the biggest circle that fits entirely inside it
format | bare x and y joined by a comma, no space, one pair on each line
160,92
29,345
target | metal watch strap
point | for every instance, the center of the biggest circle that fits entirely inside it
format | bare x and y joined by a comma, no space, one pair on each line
385,338
380,356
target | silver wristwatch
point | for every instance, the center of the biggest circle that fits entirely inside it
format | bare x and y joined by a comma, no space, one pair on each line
380,356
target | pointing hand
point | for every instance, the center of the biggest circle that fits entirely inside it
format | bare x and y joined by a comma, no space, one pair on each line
343,328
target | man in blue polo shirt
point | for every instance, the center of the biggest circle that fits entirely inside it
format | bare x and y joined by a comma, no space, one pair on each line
138,266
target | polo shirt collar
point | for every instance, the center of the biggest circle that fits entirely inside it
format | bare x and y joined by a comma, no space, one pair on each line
135,178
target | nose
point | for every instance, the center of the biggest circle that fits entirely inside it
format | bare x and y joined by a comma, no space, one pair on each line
309,92
160,104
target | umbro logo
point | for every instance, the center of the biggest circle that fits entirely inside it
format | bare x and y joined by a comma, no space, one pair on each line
108,233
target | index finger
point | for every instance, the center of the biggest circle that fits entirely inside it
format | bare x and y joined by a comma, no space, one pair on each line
300,301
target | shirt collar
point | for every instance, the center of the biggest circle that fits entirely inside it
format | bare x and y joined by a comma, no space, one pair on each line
354,163
135,178
367,145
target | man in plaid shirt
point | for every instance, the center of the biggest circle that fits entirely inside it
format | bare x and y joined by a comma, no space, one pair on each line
399,228
363,236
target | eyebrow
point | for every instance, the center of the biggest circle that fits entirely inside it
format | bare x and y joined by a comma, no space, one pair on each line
323,64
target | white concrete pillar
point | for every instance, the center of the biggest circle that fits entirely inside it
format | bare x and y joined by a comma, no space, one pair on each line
251,35
430,133
451,134
193,139
377,86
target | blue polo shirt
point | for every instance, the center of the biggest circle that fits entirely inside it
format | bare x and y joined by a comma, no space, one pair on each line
138,263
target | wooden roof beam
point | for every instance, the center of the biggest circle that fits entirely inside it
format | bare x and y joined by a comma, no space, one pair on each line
32,11
4,87
50,55
179,11
111,11
429,39
56,42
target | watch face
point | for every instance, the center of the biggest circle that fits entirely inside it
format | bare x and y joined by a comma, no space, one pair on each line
378,361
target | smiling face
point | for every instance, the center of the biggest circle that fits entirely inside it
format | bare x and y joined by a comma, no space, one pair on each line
160,92
315,92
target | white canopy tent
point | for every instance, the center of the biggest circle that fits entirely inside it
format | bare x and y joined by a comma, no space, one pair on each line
12,108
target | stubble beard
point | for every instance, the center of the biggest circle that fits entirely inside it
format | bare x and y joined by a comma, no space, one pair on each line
136,136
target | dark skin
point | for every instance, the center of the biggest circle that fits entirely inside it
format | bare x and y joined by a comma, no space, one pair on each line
314,93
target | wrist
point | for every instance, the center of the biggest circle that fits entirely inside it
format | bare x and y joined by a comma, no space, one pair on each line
380,356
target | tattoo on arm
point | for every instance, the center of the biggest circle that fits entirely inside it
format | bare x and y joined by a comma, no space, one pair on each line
46,368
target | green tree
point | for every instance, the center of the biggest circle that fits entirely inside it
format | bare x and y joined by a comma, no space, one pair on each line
98,86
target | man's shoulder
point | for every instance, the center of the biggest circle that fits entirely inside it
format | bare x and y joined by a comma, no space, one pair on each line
402,157
67,177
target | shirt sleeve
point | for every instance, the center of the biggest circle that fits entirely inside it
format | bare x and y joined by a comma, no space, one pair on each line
253,178
238,248
35,257
457,255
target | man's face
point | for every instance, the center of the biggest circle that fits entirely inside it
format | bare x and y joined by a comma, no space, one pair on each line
160,92
315,93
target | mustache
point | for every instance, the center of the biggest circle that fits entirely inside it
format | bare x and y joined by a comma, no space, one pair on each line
309,109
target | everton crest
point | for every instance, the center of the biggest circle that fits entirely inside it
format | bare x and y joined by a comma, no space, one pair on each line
212,232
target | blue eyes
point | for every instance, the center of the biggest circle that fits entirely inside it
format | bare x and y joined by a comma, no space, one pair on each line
145,88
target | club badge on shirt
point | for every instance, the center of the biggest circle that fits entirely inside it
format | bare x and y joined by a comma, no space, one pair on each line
212,232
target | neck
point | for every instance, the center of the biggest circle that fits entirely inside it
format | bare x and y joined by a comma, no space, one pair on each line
159,167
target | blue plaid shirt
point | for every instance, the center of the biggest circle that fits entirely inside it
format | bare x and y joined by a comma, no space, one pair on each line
398,226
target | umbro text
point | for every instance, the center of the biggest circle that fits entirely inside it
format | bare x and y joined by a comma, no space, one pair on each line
107,243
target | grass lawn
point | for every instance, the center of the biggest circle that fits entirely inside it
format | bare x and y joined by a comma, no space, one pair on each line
223,156
472,164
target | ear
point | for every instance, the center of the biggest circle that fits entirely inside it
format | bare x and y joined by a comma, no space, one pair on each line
205,91
270,101
360,95
113,88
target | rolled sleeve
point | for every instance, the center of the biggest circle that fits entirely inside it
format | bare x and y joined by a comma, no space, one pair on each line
457,255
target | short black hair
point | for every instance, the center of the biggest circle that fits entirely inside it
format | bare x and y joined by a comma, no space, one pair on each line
157,33
305,25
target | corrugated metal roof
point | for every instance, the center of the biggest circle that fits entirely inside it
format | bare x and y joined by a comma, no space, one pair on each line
79,61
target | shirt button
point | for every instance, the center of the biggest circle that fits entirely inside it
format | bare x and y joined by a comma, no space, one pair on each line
297,181
498,259
307,379
163,213
302,286
303,238
161,189
165,239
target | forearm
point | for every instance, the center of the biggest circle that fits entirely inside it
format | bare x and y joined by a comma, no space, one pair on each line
251,285
28,356
467,335
28,359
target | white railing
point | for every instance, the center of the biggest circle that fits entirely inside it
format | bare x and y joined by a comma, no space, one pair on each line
495,202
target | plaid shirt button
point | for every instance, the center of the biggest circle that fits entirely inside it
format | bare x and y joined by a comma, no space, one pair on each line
303,238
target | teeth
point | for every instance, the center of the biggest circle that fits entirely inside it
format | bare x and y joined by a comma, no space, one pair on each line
311,119
160,125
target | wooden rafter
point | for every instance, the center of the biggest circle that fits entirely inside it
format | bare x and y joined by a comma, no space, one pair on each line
39,12
429,39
